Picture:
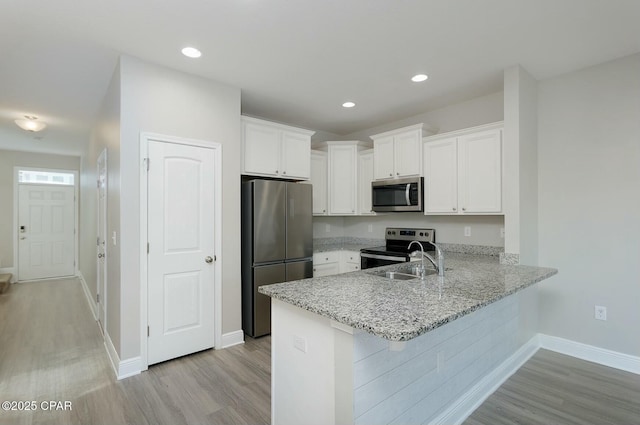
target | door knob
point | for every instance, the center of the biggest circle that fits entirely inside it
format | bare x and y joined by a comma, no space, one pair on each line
208,259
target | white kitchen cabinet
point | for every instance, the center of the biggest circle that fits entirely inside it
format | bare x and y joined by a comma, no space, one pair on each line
319,182
441,176
349,261
275,150
480,172
326,263
365,177
398,153
343,177
463,172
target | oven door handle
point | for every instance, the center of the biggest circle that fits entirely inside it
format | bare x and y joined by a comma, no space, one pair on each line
406,194
383,257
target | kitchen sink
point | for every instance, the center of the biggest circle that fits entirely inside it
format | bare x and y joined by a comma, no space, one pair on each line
399,275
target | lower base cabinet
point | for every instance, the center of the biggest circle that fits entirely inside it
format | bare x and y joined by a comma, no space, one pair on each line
335,262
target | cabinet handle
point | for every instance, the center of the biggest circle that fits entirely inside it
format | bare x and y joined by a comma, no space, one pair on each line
464,209
397,174
324,210
390,174
454,208
314,269
327,259
284,172
276,171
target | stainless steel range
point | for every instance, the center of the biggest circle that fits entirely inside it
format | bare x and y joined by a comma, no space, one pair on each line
396,249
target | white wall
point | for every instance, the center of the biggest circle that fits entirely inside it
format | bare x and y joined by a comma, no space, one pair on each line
478,111
589,198
520,144
161,100
105,135
485,230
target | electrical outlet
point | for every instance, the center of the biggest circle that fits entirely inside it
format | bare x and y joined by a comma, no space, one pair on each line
370,228
467,231
502,232
327,228
600,313
300,343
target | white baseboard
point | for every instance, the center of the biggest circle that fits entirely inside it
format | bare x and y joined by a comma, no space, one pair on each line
460,410
590,353
232,338
92,304
11,270
130,367
122,368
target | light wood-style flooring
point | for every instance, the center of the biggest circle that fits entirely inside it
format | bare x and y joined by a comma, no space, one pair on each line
552,388
51,349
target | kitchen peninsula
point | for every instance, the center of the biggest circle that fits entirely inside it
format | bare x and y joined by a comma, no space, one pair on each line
359,348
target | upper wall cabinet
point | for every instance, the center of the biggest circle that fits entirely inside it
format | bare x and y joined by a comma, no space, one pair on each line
365,177
463,171
398,153
343,177
319,181
275,150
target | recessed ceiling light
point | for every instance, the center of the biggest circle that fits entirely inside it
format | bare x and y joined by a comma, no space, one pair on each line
348,104
419,78
191,52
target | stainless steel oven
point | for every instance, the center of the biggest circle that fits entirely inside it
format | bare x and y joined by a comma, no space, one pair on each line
396,249
369,260
397,195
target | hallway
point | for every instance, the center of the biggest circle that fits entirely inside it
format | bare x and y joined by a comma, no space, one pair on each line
52,350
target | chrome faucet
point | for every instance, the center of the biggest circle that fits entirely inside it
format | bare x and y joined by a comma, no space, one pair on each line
438,263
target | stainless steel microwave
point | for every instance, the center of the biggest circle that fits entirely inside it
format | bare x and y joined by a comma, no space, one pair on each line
397,195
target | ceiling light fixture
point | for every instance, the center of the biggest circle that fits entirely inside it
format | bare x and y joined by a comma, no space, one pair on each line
348,105
419,78
30,123
191,52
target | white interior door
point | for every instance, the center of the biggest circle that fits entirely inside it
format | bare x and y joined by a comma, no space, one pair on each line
181,250
101,276
46,240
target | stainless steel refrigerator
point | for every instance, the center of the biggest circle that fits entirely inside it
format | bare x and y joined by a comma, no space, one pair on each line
277,244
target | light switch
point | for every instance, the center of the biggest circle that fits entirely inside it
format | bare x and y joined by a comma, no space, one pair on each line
113,238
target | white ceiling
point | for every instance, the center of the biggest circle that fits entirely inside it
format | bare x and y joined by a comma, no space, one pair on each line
296,61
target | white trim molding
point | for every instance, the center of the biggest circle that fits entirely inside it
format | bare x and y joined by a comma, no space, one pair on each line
11,270
122,368
92,305
76,213
219,340
591,353
232,338
460,410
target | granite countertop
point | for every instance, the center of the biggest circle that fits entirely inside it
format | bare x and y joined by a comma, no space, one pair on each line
402,310
344,244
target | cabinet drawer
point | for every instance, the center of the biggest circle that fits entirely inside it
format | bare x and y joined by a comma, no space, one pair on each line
351,257
326,257
326,269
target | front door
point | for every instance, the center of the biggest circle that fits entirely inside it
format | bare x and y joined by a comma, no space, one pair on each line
181,183
101,274
46,240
